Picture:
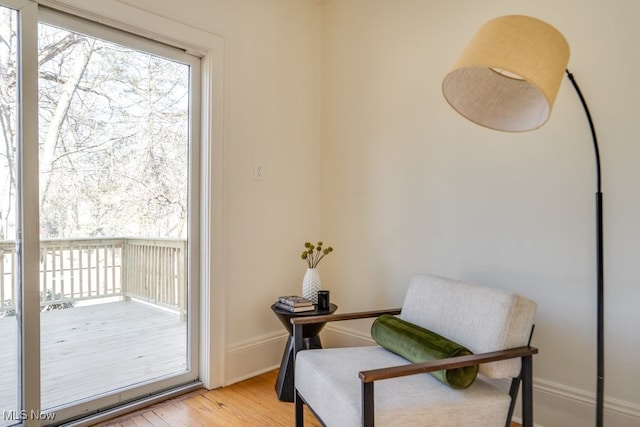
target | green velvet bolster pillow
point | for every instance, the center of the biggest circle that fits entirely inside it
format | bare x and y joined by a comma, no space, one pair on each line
418,344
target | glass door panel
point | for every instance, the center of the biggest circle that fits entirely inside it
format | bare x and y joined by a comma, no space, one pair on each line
10,386
114,216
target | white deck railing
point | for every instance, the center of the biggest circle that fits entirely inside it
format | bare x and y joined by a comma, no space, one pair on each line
73,270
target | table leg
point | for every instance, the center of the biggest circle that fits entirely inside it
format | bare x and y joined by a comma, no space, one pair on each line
284,384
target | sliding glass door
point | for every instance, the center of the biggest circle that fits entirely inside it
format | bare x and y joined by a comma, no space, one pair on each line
114,168
10,378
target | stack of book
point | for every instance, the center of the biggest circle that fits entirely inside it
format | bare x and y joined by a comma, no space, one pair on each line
295,304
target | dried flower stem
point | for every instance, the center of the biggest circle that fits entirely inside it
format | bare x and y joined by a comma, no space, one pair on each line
314,254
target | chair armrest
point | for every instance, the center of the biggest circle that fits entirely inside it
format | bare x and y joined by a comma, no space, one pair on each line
367,378
448,363
305,320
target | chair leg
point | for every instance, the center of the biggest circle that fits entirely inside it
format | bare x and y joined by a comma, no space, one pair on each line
299,408
368,412
513,392
527,391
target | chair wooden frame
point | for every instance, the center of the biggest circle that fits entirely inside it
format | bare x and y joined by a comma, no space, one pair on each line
368,378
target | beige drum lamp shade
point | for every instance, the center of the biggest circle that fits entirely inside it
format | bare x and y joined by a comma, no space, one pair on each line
508,76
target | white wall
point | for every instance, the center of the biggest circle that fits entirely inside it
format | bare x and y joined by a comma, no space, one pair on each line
410,186
340,101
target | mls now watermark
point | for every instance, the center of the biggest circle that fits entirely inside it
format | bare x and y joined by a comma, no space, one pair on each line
25,415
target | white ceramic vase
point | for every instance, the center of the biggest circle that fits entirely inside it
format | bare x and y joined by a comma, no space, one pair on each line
311,284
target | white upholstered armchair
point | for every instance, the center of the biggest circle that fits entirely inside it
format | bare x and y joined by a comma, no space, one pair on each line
492,326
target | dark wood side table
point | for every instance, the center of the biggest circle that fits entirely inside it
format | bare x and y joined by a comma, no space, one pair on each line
284,384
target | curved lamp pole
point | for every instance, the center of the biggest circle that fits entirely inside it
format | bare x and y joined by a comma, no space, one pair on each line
507,79
599,261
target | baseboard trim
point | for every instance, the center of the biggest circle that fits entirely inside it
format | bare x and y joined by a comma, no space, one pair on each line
242,362
554,404
336,335
613,407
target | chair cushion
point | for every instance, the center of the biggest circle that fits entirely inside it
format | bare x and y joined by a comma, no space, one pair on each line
418,344
327,379
481,318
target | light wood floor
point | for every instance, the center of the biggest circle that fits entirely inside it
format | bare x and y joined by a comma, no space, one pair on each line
252,402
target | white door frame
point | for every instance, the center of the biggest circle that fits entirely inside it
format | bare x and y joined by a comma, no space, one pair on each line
211,48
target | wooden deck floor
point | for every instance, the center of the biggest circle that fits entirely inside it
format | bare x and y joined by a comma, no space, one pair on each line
97,349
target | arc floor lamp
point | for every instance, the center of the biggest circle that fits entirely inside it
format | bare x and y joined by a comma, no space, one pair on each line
507,79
